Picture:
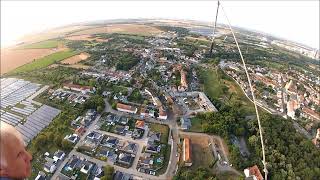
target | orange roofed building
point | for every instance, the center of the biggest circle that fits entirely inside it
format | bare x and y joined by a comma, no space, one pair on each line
253,173
126,108
187,152
139,124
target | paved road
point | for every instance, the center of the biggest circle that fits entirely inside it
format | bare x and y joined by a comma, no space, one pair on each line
30,99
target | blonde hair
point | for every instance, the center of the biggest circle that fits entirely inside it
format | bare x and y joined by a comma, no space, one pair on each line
6,130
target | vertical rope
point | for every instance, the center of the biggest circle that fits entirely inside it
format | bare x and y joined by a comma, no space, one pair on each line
253,97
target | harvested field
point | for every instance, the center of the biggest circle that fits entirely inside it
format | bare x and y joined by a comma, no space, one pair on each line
13,58
75,59
202,154
43,45
85,37
122,28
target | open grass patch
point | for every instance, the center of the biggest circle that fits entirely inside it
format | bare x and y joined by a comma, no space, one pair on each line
161,128
45,61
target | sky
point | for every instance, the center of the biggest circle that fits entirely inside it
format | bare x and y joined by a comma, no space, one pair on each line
292,20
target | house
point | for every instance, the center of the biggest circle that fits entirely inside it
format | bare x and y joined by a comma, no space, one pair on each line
123,120
86,167
78,88
58,155
185,123
94,136
80,131
73,138
140,124
153,148
311,114
146,161
41,176
131,148
50,165
73,163
110,142
253,173
120,129
121,176
125,158
154,137
162,114
316,140
187,152
126,108
137,133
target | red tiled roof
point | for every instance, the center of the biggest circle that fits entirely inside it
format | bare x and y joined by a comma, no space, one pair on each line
124,106
311,112
254,170
187,149
140,124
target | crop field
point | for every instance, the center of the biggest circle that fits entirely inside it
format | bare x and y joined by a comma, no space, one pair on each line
76,58
42,45
122,28
45,61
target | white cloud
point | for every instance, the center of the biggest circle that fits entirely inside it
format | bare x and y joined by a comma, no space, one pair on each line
294,20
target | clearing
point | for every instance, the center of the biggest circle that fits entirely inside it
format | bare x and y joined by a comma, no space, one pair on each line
202,155
75,59
45,61
122,28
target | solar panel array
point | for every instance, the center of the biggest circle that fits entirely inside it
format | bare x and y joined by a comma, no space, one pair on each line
14,91
38,120
21,113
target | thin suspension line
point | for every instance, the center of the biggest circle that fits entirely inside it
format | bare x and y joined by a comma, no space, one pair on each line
214,29
253,96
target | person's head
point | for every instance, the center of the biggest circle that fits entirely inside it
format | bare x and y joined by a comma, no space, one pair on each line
14,159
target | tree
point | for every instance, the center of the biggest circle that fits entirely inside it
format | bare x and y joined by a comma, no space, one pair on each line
66,145
58,140
297,113
108,172
100,109
40,141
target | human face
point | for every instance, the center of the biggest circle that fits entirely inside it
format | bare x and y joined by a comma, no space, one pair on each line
18,159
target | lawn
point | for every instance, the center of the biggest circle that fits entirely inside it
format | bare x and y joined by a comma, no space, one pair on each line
163,129
196,124
211,83
42,45
45,61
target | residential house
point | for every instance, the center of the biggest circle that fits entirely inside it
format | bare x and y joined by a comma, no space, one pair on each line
153,148
125,158
185,123
58,155
131,148
126,108
86,167
253,173
162,114
121,176
50,165
120,130
110,142
123,120
80,131
140,124
154,137
73,138
41,176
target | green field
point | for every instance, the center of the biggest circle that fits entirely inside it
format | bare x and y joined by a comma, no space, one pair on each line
42,45
45,61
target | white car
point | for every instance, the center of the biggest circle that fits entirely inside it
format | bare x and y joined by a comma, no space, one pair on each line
152,173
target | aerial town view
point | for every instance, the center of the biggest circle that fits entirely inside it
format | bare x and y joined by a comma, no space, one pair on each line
162,98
